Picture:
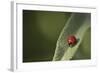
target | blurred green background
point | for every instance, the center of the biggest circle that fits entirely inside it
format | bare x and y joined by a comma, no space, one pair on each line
41,30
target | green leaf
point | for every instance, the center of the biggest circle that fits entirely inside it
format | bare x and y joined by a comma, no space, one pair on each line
84,51
77,25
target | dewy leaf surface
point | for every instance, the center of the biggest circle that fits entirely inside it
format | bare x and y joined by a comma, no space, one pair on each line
77,25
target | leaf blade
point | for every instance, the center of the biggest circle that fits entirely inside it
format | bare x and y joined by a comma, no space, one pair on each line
71,27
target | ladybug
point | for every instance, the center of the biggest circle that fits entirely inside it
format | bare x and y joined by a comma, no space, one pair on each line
71,40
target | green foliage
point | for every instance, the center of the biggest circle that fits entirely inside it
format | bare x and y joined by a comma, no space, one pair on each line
78,25
45,36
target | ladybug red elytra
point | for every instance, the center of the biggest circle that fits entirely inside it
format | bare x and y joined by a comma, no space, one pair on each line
71,40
